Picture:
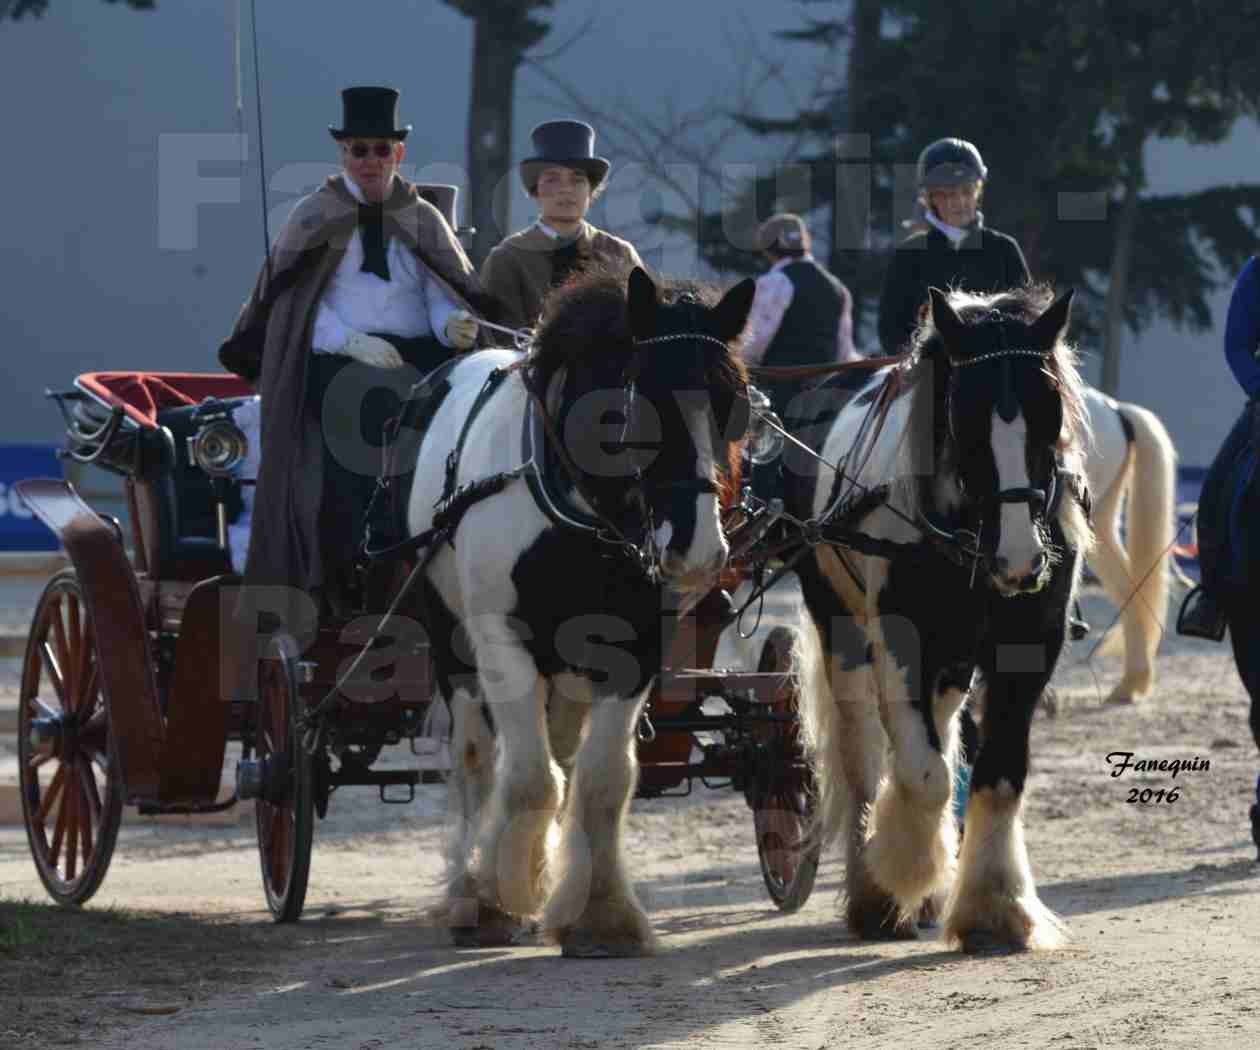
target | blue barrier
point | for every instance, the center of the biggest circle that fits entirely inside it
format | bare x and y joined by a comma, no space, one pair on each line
20,530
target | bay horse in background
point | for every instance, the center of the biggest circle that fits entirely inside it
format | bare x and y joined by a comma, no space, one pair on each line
972,483
535,617
1131,468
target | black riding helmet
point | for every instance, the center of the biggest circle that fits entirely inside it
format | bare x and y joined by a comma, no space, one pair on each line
950,162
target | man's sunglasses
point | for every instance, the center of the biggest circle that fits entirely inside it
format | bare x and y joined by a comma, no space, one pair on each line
360,150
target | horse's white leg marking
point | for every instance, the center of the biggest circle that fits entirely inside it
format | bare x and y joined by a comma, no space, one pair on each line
594,910
1020,547
472,754
512,843
912,838
994,895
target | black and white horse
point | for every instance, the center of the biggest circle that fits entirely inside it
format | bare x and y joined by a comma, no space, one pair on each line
547,632
970,481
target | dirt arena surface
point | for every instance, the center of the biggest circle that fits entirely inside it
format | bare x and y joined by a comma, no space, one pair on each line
177,951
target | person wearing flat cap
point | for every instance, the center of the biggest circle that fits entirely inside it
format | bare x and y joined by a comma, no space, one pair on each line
365,289
801,313
563,176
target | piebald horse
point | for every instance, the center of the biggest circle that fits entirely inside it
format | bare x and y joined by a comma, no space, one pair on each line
545,612
971,481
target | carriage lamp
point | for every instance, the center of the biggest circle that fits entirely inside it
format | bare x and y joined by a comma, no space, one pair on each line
765,442
219,447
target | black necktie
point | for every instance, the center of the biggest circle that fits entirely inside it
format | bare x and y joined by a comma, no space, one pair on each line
372,223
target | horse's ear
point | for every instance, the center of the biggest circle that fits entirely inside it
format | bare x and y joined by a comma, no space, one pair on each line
1050,326
946,321
641,303
731,314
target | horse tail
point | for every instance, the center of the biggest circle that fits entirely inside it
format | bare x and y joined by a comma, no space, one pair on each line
1152,503
821,734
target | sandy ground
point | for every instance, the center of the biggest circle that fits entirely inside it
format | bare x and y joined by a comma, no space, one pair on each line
1163,903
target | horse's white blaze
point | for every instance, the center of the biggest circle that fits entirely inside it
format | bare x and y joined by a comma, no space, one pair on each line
662,535
708,548
1020,546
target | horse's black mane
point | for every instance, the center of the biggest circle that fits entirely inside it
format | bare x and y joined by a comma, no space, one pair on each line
1024,303
587,315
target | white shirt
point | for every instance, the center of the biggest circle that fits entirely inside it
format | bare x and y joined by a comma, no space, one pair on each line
770,302
411,303
956,235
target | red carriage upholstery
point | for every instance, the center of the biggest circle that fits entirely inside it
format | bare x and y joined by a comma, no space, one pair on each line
144,394
172,501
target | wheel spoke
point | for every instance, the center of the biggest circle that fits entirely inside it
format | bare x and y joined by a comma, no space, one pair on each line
39,709
89,809
72,828
54,789
65,665
91,791
54,851
54,675
38,760
74,650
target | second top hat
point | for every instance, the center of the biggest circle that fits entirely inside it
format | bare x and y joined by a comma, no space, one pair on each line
564,143
369,113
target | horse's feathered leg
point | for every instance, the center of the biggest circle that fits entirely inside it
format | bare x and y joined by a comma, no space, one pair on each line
844,737
593,910
512,841
912,836
995,902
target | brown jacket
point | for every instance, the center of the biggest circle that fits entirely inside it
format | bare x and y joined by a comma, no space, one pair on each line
284,546
519,272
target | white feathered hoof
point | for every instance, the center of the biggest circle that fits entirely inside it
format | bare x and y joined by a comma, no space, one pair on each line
1000,926
871,913
607,930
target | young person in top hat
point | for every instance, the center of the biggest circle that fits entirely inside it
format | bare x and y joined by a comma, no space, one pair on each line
365,288
951,246
563,176
801,314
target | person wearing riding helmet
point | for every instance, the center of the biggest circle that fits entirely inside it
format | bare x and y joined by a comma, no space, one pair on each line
563,177
952,248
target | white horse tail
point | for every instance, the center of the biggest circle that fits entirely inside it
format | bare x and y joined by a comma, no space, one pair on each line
1149,477
821,733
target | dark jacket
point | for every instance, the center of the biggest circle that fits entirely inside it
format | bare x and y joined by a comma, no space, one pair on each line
808,332
984,261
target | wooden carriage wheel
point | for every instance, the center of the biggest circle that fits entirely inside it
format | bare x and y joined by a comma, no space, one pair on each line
67,769
783,796
284,813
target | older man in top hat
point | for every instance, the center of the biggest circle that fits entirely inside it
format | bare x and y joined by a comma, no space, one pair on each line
563,176
366,288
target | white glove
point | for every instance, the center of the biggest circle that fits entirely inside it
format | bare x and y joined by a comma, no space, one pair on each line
372,350
461,329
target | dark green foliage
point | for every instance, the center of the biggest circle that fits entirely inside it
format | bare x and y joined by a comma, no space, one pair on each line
1062,97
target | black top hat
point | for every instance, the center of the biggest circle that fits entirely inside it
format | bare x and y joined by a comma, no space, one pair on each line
369,113
567,143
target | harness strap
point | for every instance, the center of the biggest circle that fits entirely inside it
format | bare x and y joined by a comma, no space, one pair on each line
867,364
571,468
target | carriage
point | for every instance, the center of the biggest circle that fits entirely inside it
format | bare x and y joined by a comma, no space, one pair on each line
128,695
